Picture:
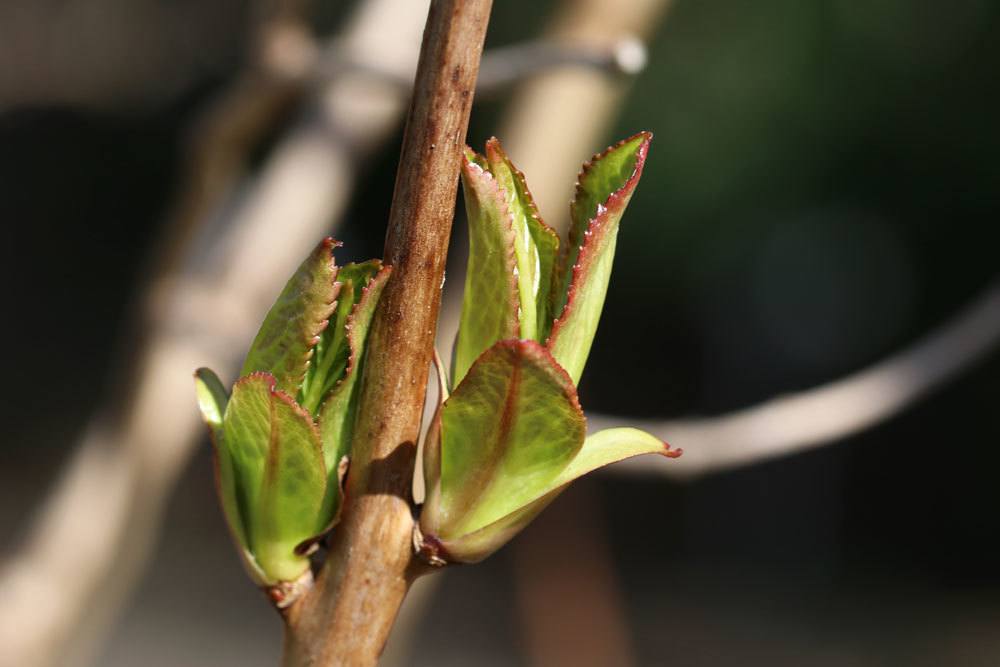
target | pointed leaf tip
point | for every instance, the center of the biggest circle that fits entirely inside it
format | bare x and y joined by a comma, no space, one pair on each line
604,189
610,446
291,329
536,245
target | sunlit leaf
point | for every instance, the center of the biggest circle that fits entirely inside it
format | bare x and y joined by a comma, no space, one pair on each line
477,545
332,353
535,244
604,189
610,446
285,342
279,473
507,430
212,399
247,427
293,486
490,305
336,415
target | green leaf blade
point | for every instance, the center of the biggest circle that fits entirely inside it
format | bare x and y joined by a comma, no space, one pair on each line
607,173
291,329
292,490
525,254
213,399
247,429
278,474
336,417
547,246
599,450
332,352
507,431
536,244
587,263
490,304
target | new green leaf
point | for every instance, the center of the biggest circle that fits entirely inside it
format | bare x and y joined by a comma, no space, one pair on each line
212,399
490,305
610,446
247,436
508,429
336,416
279,474
603,192
332,352
282,439
290,331
535,244
292,490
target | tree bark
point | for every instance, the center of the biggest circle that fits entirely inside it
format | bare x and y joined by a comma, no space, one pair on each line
346,618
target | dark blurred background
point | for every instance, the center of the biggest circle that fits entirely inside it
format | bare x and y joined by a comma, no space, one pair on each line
820,194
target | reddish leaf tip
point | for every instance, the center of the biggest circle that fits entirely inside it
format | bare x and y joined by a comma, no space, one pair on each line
494,150
597,222
671,453
640,160
330,243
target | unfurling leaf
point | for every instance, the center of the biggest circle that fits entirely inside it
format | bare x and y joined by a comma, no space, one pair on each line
603,192
535,244
276,449
336,415
511,437
508,429
490,309
284,345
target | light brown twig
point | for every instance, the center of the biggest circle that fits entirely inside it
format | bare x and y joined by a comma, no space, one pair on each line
346,618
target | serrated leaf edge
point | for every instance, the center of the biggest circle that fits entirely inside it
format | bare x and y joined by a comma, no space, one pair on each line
328,244
471,169
381,274
596,226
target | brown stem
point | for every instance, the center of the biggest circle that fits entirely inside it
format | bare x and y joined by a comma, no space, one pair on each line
346,618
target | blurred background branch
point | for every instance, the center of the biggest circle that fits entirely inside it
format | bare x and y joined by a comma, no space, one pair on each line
831,412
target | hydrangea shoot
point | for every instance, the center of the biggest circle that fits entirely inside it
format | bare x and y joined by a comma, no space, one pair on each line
512,434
